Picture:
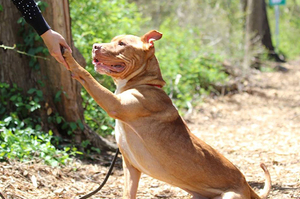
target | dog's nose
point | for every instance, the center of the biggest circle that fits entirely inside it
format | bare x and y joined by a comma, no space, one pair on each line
97,47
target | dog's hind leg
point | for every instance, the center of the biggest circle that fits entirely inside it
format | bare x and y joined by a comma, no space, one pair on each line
132,177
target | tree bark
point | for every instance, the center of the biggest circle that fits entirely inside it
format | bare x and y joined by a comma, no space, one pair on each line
257,30
13,65
52,77
248,7
58,78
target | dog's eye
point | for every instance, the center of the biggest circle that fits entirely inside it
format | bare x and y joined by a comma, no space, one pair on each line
121,43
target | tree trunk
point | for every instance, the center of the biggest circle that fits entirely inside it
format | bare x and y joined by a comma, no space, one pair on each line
257,31
52,78
267,37
248,7
58,78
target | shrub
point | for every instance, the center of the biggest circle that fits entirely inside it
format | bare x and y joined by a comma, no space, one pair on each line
21,137
188,66
289,28
28,144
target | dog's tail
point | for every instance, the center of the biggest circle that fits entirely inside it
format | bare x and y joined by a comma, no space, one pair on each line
267,188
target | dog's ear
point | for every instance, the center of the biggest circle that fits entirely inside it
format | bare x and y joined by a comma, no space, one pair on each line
150,37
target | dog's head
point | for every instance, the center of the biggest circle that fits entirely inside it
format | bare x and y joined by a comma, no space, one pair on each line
124,54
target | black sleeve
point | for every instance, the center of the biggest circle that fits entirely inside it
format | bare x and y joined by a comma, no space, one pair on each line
32,15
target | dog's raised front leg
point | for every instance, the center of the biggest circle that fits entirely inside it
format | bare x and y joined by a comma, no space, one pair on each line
132,178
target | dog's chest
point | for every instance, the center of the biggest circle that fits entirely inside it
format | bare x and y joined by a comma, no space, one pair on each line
133,148
129,143
119,134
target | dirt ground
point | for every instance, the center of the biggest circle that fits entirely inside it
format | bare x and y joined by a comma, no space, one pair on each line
260,125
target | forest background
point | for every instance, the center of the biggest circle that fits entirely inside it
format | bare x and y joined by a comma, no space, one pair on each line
200,40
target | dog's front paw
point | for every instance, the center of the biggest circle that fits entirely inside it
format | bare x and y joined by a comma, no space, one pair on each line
72,64
65,52
76,70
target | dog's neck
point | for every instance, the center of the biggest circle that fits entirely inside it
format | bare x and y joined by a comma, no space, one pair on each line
148,74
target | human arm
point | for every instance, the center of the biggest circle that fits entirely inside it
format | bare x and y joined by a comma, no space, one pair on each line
52,39
32,14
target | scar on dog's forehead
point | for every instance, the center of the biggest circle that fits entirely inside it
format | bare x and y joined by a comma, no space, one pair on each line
127,38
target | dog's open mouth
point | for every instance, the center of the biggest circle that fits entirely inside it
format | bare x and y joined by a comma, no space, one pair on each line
110,67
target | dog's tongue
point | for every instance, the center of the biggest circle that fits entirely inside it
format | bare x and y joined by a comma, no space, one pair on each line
113,67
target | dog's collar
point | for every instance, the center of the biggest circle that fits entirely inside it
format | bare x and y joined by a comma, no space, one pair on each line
156,85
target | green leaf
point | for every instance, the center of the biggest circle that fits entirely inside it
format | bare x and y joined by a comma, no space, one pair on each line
2,110
104,127
57,96
37,66
85,143
1,7
41,83
36,99
31,51
73,126
58,120
8,119
96,149
32,62
81,126
39,49
13,98
20,20
32,90
39,93
38,127
64,126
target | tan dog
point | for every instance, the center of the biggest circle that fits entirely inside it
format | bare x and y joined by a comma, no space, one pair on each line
150,133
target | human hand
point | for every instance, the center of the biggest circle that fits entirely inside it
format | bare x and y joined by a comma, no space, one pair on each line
53,40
